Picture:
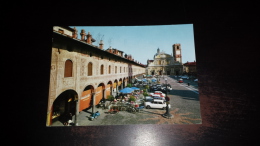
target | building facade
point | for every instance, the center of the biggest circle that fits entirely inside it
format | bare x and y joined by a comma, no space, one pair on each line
82,74
166,64
190,68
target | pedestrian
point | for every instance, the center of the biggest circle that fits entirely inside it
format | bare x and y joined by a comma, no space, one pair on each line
167,98
188,83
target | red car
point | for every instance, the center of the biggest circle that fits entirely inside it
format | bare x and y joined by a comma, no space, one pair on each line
180,81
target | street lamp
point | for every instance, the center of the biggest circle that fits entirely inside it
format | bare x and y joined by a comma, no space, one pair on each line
167,114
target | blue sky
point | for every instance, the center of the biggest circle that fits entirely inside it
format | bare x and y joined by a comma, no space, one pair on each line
142,42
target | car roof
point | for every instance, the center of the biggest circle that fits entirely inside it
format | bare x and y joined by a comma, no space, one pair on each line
157,95
158,100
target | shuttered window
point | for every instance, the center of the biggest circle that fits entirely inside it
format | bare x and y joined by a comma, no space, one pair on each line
90,69
102,69
68,68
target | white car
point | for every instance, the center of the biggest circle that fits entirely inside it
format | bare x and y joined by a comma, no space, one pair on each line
161,104
159,92
196,80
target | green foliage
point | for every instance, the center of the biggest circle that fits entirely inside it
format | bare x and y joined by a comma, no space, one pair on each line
110,97
131,98
146,87
145,94
129,85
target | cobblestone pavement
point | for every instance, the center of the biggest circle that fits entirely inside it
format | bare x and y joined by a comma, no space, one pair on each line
185,107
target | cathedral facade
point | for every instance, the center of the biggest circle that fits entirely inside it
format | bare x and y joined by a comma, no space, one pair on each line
166,64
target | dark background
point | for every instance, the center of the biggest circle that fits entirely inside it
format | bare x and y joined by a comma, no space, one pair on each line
226,43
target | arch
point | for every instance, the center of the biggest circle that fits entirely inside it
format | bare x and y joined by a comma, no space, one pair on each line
99,93
115,84
119,84
68,68
85,100
90,68
108,89
63,105
124,82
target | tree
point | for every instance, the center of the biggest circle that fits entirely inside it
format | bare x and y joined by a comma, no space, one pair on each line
132,98
145,94
146,87
110,98
129,85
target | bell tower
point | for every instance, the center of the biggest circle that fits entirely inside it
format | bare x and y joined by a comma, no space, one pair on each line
176,50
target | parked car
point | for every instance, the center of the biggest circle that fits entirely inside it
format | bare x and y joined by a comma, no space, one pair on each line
160,93
148,98
164,90
164,85
180,81
151,98
161,104
154,87
157,88
159,97
196,80
184,77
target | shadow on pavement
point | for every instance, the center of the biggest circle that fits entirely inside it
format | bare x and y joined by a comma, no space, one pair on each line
145,111
185,94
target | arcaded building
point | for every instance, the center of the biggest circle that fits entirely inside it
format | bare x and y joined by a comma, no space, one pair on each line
166,64
82,74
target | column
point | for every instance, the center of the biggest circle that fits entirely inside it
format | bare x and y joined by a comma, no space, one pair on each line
93,101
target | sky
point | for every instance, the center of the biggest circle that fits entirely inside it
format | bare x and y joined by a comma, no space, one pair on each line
142,42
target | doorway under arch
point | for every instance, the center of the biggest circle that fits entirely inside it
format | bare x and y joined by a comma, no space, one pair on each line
63,105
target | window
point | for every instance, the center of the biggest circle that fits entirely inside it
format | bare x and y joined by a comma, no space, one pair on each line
68,68
102,69
109,69
120,69
90,69
115,69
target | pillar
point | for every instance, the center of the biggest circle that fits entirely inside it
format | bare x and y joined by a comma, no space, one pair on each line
93,102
